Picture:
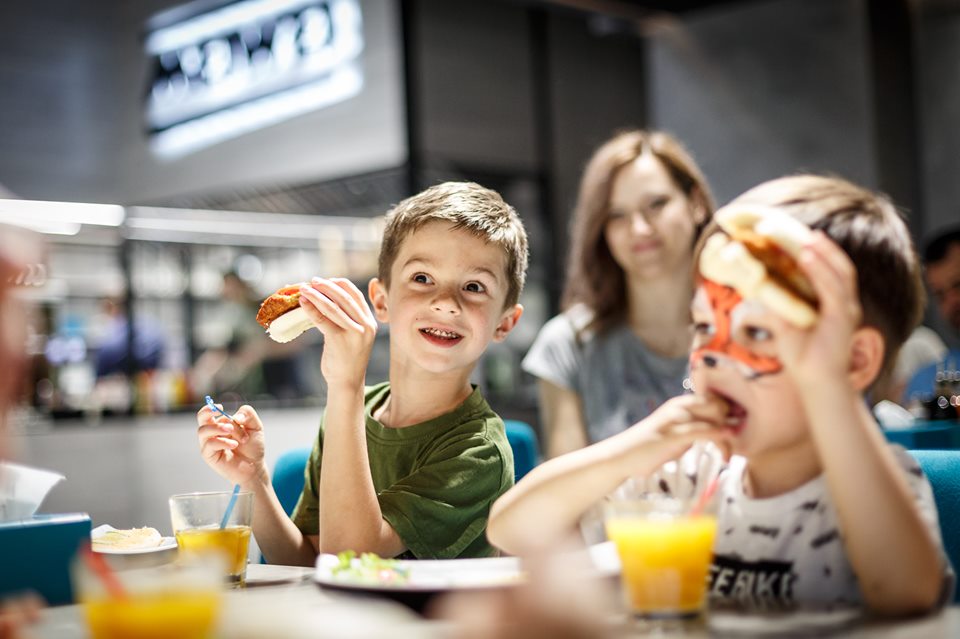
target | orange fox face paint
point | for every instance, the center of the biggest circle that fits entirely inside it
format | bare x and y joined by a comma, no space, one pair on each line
722,346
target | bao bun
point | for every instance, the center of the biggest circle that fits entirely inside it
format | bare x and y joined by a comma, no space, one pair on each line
758,258
282,315
128,539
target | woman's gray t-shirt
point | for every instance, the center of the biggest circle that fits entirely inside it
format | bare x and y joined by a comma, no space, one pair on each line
619,380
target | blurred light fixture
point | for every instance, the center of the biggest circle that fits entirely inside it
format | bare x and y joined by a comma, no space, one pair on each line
59,218
241,228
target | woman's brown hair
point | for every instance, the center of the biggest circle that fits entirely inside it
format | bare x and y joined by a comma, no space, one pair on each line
593,277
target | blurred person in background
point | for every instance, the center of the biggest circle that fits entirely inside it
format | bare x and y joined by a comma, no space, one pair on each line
113,348
941,260
18,250
922,348
247,363
619,348
925,347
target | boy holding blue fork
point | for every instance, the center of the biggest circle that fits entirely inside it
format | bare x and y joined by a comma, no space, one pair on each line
409,467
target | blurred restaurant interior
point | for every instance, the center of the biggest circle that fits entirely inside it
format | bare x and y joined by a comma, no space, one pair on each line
178,178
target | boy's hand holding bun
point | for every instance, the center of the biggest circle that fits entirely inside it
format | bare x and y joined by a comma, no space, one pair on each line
338,309
823,351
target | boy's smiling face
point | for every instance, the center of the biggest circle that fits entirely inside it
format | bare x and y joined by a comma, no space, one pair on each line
734,356
445,301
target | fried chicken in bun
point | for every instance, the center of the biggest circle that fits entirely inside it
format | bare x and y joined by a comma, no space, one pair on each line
282,315
757,256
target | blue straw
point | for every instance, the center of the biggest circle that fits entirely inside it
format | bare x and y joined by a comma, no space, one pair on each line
236,487
230,505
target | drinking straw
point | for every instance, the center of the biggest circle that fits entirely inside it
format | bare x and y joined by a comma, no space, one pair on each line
705,496
99,566
230,505
236,487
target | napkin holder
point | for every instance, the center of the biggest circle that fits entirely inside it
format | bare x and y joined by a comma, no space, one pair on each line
35,555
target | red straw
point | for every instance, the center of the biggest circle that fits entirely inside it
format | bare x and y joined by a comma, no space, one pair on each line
705,497
99,566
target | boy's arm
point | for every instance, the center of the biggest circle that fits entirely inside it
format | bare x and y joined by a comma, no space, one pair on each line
280,541
897,562
237,455
350,516
545,506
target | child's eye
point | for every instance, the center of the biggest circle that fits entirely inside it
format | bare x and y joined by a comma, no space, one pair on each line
704,328
421,278
757,334
474,287
658,204
615,214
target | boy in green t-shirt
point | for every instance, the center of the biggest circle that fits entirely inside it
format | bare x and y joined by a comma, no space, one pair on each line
410,466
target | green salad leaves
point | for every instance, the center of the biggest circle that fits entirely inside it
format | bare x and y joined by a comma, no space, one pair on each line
369,568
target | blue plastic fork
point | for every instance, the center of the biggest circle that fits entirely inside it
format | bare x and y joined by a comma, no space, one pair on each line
236,487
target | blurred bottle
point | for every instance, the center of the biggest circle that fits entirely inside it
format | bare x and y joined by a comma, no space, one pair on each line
943,404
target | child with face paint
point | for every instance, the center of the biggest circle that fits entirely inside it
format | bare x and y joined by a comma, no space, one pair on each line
815,508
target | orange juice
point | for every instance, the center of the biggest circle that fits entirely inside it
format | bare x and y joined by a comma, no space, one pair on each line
665,561
158,615
232,542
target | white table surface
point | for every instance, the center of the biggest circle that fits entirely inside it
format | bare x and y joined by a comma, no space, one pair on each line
283,602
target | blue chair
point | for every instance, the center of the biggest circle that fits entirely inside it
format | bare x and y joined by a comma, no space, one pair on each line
926,435
523,441
288,477
942,468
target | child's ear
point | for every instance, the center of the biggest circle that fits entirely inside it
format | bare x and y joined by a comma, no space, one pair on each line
377,293
866,356
508,320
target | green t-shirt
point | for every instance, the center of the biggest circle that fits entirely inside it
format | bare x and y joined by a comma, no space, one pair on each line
435,481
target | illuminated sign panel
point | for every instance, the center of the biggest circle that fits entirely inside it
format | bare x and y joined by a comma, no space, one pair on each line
249,64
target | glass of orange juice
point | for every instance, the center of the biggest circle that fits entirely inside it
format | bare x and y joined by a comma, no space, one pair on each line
154,603
197,519
665,553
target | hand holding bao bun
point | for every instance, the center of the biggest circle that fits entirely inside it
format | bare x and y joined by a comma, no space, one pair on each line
758,258
282,315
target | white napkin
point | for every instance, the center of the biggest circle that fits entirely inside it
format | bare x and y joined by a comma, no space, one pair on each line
892,416
23,489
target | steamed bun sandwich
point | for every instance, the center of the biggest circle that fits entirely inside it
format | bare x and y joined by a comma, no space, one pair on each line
757,257
282,315
128,539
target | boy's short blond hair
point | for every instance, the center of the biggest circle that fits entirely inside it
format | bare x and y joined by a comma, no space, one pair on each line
867,226
467,206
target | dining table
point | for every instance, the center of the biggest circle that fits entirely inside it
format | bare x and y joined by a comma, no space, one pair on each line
284,601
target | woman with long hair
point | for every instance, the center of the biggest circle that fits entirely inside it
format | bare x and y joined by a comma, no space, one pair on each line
619,349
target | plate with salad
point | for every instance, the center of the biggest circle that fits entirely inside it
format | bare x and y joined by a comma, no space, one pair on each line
370,573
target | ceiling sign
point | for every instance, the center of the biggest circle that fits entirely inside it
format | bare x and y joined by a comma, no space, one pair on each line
219,73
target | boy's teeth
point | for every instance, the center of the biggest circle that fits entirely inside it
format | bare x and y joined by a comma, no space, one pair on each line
440,333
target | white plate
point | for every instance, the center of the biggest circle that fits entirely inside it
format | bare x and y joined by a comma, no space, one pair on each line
437,575
166,543
430,575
